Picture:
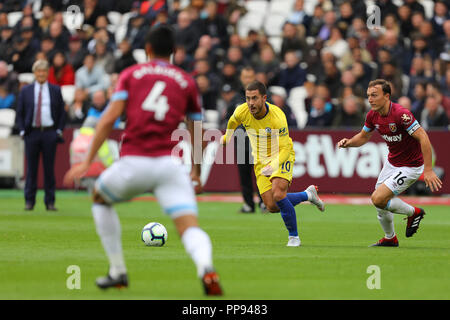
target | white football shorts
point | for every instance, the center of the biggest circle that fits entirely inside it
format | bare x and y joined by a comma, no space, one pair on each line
169,180
398,179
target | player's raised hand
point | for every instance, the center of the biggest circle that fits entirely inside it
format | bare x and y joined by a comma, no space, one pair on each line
432,181
76,173
343,143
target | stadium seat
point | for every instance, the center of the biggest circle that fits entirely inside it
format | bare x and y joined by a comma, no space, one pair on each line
115,18
274,25
68,94
120,33
405,84
140,55
296,101
428,5
37,4
26,77
7,119
14,17
281,7
276,42
125,18
250,21
257,6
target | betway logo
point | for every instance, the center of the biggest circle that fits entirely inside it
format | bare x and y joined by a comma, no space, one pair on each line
365,161
396,138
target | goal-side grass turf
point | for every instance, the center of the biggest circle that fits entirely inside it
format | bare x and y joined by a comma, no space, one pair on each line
250,253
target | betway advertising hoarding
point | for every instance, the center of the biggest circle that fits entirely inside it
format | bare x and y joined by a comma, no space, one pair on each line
317,161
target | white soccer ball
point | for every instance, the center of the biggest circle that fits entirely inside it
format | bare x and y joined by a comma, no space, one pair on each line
154,234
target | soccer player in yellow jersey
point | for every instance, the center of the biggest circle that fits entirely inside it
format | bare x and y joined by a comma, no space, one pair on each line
273,154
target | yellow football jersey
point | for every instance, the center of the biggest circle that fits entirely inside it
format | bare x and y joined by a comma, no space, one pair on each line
269,136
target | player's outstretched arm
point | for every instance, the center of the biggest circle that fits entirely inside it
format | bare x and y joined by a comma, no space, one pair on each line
102,131
431,180
356,141
233,123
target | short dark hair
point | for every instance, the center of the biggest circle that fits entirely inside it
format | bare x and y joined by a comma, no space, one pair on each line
162,40
257,85
385,85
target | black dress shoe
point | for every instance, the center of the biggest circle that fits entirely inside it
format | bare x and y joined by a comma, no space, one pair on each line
51,207
29,206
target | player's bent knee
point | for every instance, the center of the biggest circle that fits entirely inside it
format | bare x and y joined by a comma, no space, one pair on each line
97,198
379,202
184,222
273,209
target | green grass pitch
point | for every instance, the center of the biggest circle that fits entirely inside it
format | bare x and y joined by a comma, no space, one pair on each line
250,253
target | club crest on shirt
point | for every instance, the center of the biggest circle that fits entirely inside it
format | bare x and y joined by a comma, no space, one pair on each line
392,127
406,118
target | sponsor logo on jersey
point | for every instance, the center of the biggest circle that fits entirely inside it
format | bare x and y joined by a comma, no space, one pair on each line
392,127
396,138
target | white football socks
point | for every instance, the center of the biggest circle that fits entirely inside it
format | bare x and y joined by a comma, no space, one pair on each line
108,228
386,219
198,245
399,206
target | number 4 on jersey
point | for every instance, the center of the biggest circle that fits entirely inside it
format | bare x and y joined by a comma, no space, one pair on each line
157,102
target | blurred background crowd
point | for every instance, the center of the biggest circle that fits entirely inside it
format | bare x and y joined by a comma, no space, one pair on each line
315,56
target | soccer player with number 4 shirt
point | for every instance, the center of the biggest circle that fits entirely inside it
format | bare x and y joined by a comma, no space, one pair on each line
409,157
156,97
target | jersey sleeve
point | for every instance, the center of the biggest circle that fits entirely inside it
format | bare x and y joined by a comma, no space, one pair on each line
234,121
284,141
368,124
194,106
122,87
407,121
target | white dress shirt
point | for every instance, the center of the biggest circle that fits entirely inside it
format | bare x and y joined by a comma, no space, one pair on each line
46,112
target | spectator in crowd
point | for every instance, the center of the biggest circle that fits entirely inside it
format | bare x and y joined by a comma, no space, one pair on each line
418,100
346,16
77,52
292,41
92,10
126,58
389,72
434,90
60,35
268,63
321,114
336,43
417,73
278,96
433,116
29,35
6,43
332,78
230,75
136,32
48,47
235,56
350,114
404,14
98,106
186,33
316,21
150,9
386,7
182,59
441,14
48,14
88,79
405,102
299,15
329,21
348,80
23,55
8,79
292,75
103,58
215,25
417,18
228,101
61,73
207,92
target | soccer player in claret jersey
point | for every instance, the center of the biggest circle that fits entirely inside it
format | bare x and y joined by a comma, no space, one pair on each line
156,97
409,157
274,156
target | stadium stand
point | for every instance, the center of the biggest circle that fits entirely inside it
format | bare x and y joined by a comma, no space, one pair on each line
249,25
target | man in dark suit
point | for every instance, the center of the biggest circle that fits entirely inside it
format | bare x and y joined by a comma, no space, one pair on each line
40,118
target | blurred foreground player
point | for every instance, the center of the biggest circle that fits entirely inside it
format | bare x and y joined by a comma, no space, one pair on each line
273,152
156,97
409,156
